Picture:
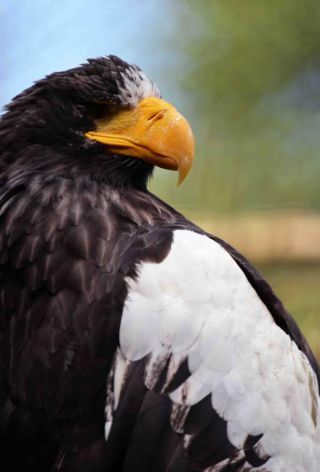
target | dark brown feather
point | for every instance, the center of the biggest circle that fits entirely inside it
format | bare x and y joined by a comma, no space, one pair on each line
75,221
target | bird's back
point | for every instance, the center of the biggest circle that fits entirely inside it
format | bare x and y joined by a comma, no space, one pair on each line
72,397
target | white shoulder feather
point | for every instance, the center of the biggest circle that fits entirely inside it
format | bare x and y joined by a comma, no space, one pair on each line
198,306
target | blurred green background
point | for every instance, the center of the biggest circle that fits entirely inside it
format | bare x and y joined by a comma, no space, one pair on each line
249,74
246,74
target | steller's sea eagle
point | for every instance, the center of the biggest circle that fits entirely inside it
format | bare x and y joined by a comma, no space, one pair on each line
130,339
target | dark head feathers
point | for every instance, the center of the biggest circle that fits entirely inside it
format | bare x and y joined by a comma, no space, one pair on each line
105,79
56,111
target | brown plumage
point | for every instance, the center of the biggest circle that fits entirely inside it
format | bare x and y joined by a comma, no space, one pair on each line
75,221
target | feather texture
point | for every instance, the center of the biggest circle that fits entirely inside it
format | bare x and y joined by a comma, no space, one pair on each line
130,339
203,309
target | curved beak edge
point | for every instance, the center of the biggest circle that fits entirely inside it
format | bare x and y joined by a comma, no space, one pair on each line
153,131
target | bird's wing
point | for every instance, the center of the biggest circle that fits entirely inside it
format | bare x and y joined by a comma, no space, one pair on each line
204,379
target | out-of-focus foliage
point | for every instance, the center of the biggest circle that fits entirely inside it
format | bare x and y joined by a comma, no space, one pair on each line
297,284
251,74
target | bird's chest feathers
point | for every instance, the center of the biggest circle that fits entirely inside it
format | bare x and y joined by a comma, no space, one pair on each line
65,256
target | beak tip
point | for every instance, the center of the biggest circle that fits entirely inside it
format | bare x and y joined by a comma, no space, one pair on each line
181,177
184,167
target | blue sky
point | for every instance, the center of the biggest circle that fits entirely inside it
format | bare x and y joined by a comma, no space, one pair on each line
42,36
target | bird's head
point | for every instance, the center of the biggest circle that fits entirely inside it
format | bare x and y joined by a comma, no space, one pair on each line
105,107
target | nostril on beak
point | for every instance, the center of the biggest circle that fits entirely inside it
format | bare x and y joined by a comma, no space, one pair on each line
156,115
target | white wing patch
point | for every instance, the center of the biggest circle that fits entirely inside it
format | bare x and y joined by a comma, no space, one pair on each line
198,305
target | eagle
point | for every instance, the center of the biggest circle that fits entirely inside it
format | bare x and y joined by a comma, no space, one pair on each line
130,339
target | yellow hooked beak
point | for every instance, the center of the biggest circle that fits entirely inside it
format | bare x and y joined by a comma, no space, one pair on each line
153,131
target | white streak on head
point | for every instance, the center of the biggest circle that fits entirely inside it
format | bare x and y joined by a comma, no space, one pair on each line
136,86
